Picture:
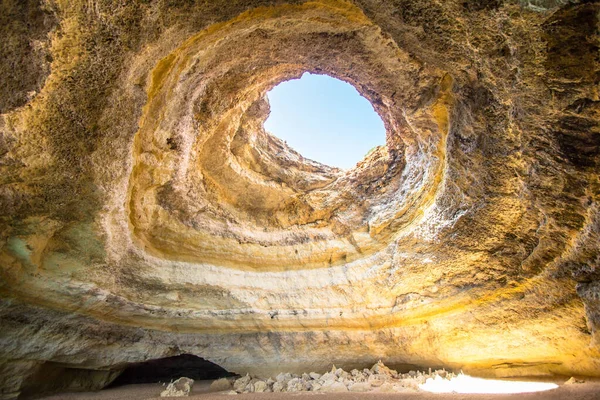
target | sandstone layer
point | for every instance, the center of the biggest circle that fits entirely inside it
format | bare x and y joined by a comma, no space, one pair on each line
146,213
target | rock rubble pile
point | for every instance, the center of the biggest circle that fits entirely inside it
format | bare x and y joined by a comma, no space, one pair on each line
378,378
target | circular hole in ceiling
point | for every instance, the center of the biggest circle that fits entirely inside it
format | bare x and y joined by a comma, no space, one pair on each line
324,119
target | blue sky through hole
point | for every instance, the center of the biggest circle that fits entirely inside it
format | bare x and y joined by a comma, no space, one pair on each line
324,119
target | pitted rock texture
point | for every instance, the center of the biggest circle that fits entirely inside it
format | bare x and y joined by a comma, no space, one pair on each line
146,213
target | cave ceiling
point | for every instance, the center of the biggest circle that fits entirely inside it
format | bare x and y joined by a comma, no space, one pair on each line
146,212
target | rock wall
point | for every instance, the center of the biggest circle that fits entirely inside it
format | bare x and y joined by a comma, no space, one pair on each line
146,213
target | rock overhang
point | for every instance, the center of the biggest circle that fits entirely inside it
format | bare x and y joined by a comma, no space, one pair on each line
189,229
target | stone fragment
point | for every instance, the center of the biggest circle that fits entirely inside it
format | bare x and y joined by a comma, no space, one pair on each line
179,388
240,384
314,375
334,387
251,387
270,382
327,377
380,368
360,378
221,385
295,385
573,381
260,386
283,378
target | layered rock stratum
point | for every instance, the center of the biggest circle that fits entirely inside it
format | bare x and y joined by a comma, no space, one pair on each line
146,213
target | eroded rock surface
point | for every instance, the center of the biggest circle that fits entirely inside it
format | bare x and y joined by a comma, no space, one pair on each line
145,212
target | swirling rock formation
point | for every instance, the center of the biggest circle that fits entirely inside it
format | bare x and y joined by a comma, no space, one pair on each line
146,213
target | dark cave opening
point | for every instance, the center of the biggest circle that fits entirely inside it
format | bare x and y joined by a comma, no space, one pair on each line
169,369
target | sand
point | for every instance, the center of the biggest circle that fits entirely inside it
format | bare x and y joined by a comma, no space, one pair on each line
590,390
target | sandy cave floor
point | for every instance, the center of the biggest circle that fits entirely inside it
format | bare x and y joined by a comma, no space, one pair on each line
590,390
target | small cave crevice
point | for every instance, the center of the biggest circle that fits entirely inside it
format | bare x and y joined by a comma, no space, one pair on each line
169,369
